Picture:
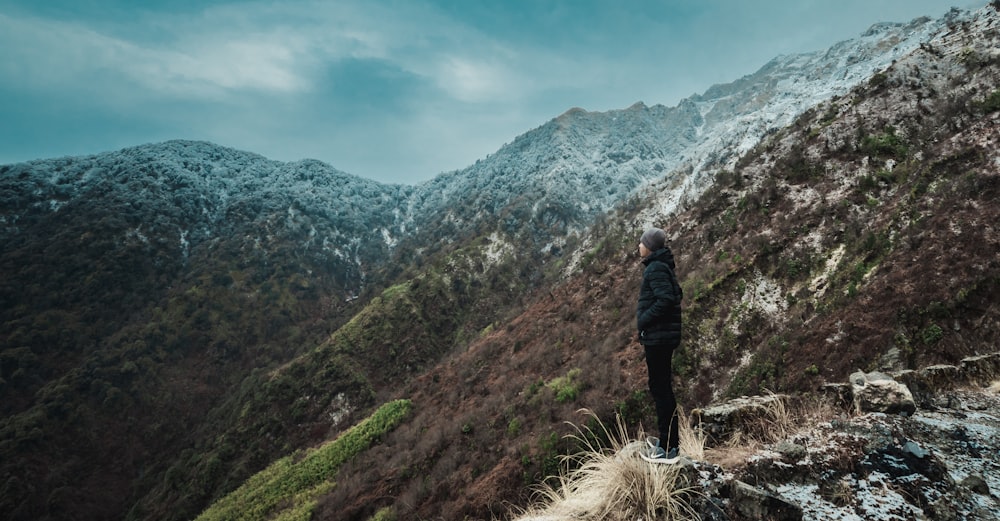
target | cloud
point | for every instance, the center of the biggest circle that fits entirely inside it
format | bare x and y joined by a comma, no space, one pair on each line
382,88
390,90
471,81
50,54
280,48
230,64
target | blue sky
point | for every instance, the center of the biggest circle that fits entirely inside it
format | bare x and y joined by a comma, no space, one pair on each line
393,90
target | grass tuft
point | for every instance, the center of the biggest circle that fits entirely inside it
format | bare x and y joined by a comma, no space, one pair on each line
612,482
778,420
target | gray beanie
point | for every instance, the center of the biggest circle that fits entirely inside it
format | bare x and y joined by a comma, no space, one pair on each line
654,239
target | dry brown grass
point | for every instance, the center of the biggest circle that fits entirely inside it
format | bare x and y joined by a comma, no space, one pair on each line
779,421
614,483
733,453
692,439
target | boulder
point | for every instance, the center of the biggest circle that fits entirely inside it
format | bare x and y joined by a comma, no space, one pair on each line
977,484
878,392
757,503
790,451
749,415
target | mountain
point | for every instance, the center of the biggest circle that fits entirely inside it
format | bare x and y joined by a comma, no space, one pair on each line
177,316
141,287
583,164
857,237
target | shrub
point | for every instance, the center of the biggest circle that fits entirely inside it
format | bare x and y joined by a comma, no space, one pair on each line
514,427
761,373
878,80
832,111
385,514
931,334
992,102
886,144
635,408
566,387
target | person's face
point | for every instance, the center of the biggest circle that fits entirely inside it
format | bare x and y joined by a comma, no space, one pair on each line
643,250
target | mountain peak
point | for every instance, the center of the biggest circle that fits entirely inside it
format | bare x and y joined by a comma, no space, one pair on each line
177,315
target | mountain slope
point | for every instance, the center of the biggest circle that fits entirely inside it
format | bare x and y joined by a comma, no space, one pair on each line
141,287
180,315
551,182
860,237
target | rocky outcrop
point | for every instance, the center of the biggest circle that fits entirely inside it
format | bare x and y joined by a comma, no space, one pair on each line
747,415
757,503
924,383
884,454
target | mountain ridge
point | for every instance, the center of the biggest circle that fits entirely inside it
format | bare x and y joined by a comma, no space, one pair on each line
250,323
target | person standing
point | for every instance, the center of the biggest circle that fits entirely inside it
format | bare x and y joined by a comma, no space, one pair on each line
658,318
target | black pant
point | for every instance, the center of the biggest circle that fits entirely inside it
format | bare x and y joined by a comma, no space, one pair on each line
661,386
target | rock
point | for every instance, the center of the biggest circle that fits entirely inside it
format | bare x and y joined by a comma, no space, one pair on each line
983,369
791,452
748,415
709,481
977,484
756,503
915,450
927,384
878,392
880,466
940,376
911,471
839,394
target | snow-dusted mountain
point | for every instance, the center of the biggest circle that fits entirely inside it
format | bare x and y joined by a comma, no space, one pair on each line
583,163
175,316
548,184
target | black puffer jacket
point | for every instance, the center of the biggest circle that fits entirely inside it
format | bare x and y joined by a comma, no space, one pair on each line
658,315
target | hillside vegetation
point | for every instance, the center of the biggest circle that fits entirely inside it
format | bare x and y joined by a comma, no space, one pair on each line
179,318
859,238
287,489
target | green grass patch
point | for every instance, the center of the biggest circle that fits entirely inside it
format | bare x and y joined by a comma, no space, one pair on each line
566,388
289,488
886,144
992,102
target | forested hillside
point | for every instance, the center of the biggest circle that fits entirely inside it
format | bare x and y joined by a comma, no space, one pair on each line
179,317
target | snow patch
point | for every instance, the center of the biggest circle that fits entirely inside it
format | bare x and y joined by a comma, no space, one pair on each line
339,407
803,196
136,233
388,239
818,284
573,264
764,294
496,250
813,240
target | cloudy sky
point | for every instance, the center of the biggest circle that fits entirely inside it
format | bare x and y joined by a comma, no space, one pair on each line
392,90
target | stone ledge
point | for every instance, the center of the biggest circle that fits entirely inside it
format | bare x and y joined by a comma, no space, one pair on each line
896,393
